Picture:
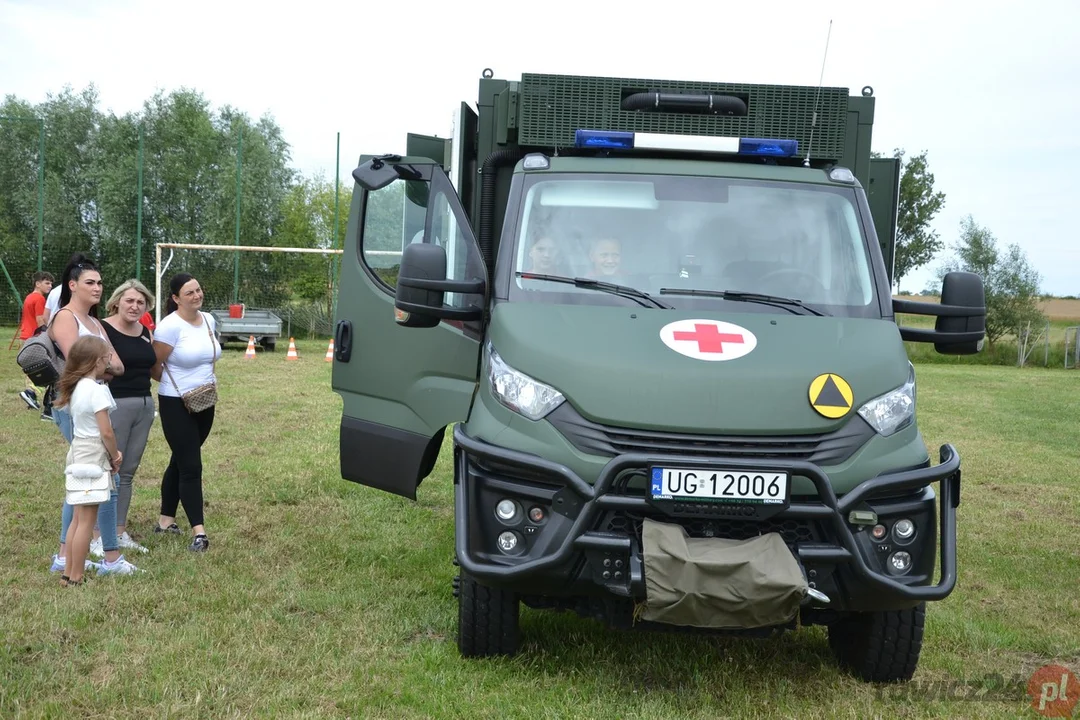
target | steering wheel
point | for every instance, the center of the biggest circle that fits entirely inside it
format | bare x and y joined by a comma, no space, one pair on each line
801,281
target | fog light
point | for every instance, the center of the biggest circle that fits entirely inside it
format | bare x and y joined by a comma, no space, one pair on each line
879,532
506,510
904,529
536,514
900,561
508,541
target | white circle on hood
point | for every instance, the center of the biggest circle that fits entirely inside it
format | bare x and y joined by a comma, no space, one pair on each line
711,340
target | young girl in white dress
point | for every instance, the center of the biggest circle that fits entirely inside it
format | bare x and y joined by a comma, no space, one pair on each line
93,443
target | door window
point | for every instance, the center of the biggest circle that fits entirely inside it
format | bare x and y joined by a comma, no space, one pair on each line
393,217
462,259
398,214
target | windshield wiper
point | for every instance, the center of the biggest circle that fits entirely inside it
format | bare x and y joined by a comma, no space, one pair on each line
643,298
786,303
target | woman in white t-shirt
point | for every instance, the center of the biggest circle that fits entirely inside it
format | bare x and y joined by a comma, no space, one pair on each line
187,350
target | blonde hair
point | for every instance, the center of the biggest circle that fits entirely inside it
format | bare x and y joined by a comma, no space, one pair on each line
81,359
114,300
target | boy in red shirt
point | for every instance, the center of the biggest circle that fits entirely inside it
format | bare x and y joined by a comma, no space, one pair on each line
33,317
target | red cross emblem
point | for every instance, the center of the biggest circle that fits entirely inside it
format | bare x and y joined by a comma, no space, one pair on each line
709,338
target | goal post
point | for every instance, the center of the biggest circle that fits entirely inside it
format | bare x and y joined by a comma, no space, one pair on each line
293,287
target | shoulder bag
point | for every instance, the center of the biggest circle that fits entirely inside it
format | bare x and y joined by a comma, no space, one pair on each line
87,484
205,396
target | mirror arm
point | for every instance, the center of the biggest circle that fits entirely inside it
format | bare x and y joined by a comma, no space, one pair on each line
941,338
447,312
377,163
913,307
474,287
408,173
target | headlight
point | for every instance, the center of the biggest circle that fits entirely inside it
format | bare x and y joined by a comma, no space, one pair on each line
892,412
518,391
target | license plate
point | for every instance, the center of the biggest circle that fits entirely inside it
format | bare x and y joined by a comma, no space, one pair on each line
719,485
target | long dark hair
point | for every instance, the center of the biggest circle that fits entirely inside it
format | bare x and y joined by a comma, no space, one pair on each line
78,264
80,363
178,281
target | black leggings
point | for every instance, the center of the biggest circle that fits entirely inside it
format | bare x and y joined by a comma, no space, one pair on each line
185,432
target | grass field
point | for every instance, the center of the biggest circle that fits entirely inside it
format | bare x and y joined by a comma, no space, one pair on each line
321,598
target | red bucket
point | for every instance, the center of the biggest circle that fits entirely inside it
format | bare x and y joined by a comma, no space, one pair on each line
236,311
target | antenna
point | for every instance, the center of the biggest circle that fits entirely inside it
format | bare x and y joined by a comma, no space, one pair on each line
813,120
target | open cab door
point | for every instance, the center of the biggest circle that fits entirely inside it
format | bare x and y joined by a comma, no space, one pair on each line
412,298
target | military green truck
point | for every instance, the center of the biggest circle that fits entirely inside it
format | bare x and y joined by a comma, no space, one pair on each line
657,316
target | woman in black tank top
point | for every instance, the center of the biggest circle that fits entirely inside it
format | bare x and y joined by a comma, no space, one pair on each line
134,414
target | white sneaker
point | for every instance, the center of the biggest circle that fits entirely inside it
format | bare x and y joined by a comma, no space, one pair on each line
120,567
96,549
127,542
59,564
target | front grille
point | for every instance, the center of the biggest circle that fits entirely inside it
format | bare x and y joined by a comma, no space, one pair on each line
609,441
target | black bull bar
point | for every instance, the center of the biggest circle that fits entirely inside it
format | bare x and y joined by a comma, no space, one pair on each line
596,499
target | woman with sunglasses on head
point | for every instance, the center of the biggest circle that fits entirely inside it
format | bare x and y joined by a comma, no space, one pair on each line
77,317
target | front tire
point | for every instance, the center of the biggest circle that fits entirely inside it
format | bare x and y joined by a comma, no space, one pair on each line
487,620
880,647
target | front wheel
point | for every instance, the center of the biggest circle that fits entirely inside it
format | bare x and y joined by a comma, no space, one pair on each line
882,646
487,619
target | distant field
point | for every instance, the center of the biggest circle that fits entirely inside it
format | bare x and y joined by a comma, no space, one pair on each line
321,598
1058,309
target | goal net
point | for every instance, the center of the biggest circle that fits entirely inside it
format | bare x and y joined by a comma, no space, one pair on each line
265,292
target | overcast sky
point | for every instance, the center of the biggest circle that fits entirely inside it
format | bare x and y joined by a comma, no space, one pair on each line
990,89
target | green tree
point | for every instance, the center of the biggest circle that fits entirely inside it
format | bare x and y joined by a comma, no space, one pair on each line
916,243
1010,283
189,190
308,222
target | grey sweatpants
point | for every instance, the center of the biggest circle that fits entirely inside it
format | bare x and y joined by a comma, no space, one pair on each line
131,421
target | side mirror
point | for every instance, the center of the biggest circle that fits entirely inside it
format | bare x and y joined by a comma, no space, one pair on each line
377,173
961,316
962,290
419,299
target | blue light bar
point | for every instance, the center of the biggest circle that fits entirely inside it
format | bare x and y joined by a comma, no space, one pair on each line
623,140
604,139
772,148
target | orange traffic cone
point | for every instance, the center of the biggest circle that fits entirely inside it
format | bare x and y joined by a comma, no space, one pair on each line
292,351
330,351
250,353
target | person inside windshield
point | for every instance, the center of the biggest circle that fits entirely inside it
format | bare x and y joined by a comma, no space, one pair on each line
544,257
605,254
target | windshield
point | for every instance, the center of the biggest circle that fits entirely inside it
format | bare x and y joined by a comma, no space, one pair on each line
667,235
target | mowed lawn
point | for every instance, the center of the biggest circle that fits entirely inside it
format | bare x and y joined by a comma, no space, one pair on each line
322,598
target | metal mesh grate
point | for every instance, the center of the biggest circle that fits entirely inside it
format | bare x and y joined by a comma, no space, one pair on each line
554,106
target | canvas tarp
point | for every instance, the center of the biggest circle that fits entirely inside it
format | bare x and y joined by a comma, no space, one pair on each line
719,583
